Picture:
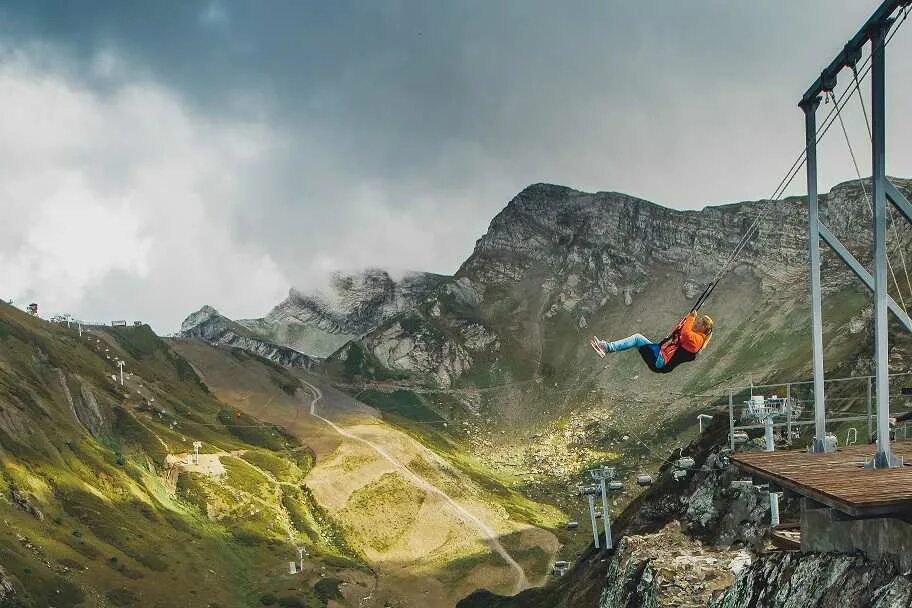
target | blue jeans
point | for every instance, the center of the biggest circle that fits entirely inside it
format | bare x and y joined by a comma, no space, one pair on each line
635,341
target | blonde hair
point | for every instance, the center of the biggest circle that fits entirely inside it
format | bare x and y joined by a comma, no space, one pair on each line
707,322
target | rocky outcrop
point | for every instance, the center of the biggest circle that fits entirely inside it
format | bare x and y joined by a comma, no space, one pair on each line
7,589
319,323
817,580
24,501
722,509
83,406
712,501
208,325
667,569
88,412
424,346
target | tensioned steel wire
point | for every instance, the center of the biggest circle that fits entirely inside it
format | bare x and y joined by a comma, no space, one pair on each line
798,164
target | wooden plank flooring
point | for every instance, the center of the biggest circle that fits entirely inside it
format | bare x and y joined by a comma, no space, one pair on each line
837,479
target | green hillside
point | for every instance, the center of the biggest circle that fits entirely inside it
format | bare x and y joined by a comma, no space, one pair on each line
99,505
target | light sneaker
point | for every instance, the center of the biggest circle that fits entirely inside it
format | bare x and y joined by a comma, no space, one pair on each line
596,345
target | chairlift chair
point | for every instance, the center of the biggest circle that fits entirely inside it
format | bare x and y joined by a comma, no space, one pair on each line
685,463
740,437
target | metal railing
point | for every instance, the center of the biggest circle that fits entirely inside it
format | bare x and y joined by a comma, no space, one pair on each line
855,404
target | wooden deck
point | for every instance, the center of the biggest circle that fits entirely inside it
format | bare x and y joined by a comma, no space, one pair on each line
838,479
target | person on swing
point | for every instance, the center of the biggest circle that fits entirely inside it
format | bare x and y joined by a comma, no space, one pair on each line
689,336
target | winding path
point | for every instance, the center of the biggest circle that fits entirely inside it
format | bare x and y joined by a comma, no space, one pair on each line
489,535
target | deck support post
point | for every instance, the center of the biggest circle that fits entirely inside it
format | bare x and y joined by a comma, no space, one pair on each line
884,457
810,131
774,508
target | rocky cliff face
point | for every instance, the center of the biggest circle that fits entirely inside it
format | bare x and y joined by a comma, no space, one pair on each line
208,325
665,570
822,580
432,342
595,249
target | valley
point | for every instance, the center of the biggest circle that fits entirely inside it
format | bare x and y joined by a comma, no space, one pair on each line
413,516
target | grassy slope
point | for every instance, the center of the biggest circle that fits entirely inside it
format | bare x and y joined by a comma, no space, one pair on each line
112,530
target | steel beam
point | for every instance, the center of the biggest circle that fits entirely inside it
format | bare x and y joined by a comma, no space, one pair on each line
851,52
884,457
861,272
810,132
899,199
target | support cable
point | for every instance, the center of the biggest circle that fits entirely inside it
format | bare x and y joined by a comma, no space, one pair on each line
796,167
896,235
864,189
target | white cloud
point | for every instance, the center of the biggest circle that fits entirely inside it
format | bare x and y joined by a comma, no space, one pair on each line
125,203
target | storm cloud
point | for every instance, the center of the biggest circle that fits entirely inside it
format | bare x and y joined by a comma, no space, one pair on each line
158,156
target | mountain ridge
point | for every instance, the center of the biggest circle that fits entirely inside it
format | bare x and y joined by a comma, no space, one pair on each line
554,252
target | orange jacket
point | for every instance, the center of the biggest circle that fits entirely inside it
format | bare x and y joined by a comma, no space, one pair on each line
683,336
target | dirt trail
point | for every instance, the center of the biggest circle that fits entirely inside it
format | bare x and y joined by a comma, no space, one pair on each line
489,535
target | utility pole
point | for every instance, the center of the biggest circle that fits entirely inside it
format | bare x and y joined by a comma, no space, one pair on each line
604,476
196,448
595,534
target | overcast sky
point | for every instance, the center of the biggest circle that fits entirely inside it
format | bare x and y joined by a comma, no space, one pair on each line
158,156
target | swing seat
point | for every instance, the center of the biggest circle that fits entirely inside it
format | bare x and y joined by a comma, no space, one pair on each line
650,352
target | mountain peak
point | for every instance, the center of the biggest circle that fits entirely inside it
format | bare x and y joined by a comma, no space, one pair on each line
202,315
543,189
